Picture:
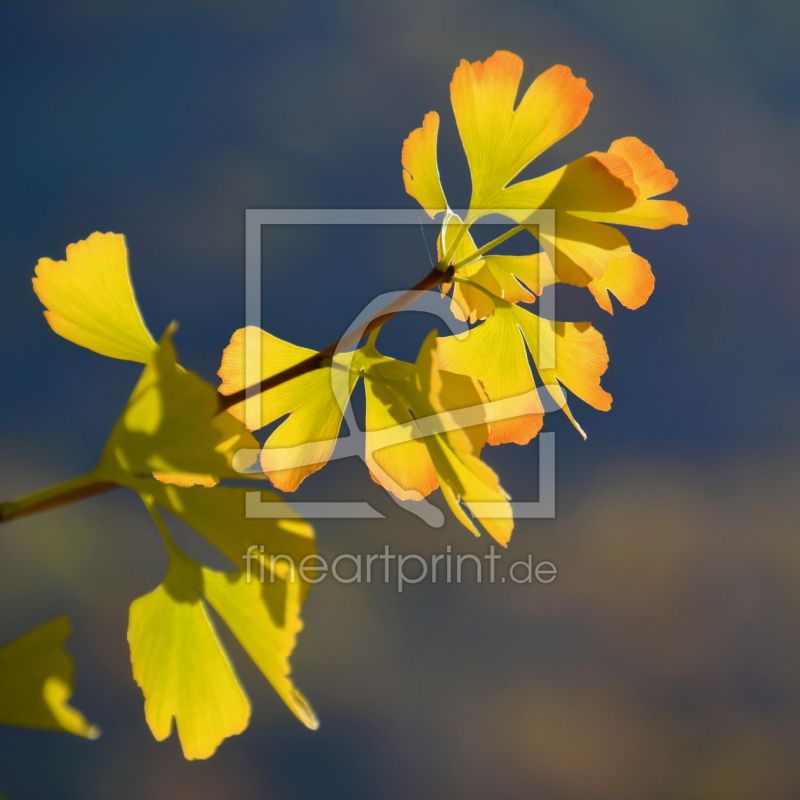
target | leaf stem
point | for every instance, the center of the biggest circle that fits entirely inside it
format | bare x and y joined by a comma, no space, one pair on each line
53,496
488,246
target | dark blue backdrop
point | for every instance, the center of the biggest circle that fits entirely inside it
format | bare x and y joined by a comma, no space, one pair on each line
662,662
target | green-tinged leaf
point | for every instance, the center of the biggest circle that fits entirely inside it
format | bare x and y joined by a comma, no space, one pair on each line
247,608
36,682
171,425
170,630
220,516
181,666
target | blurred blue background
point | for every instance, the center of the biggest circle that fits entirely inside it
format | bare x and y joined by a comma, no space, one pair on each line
663,661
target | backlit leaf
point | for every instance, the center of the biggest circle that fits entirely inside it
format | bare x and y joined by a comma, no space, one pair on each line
170,628
171,425
314,403
397,457
90,301
36,682
181,667
462,476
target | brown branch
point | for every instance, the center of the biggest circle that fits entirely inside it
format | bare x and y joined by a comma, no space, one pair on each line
434,278
69,496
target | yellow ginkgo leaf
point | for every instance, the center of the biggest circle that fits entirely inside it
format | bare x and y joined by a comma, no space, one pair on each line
562,209
402,467
495,354
501,140
171,425
597,182
247,608
420,167
503,276
181,666
462,476
36,682
397,457
90,301
315,402
467,303
516,275
629,278
264,615
220,516
569,353
583,250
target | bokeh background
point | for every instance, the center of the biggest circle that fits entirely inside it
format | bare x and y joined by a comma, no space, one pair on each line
663,662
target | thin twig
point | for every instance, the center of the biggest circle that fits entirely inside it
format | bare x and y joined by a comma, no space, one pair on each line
9,512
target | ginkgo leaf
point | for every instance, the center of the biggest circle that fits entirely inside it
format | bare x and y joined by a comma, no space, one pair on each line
516,275
220,517
569,353
629,279
462,476
494,353
450,441
403,467
420,167
396,457
181,667
36,682
501,140
90,301
468,303
596,182
503,276
247,612
652,178
582,249
264,615
315,403
171,425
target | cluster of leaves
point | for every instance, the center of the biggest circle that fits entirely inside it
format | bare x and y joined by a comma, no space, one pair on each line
484,390
426,422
